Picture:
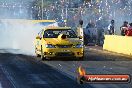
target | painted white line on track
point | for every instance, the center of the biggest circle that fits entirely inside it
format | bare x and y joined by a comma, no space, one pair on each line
8,76
0,85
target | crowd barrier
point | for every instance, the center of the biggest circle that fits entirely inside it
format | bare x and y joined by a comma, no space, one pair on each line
119,44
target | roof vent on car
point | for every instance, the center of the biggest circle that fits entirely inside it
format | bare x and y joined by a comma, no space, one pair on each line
63,36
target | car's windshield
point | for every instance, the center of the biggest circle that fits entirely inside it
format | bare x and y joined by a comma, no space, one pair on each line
54,33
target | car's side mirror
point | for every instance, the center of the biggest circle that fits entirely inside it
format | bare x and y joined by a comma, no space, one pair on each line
80,37
38,37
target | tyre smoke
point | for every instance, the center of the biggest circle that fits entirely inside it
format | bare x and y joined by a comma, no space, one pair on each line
18,34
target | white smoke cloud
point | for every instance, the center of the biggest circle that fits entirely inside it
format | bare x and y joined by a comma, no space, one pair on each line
20,35
17,34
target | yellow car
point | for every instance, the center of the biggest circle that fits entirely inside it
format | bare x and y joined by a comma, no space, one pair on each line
58,42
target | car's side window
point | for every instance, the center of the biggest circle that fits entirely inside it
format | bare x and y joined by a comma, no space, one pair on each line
41,34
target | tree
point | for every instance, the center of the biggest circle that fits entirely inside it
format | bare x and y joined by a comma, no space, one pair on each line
37,10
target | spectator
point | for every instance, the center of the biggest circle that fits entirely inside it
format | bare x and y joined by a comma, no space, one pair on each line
111,28
130,27
129,31
123,28
90,25
100,31
80,30
89,32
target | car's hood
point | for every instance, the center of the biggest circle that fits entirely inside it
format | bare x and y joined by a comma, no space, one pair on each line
58,41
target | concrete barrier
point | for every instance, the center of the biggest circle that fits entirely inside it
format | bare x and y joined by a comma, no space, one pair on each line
119,44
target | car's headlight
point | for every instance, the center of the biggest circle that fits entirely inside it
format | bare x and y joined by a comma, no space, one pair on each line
49,46
79,46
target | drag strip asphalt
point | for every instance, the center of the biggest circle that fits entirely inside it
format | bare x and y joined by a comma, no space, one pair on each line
25,71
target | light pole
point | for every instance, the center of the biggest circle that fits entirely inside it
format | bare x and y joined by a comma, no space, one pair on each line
66,13
42,9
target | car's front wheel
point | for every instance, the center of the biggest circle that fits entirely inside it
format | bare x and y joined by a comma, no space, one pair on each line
42,55
38,55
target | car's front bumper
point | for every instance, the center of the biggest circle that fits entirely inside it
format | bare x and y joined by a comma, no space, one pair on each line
64,52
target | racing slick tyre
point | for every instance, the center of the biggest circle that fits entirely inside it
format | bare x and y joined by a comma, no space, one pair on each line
42,55
38,55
